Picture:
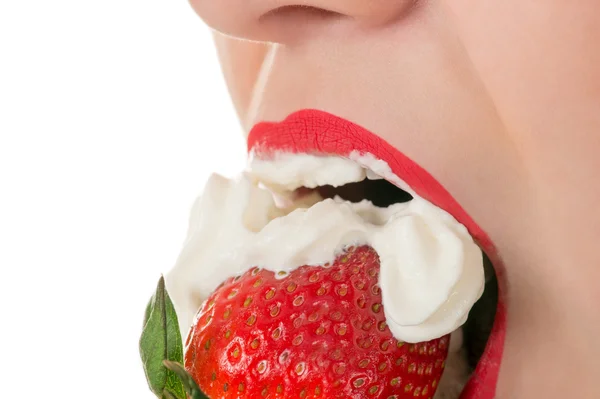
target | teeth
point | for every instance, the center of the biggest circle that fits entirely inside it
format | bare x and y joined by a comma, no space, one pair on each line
372,175
381,168
282,201
293,200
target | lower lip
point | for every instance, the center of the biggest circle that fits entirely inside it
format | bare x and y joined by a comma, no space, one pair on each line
317,132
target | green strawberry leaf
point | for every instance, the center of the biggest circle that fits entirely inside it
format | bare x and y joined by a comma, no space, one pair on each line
188,382
161,341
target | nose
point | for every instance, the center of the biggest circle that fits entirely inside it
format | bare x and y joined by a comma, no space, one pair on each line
284,21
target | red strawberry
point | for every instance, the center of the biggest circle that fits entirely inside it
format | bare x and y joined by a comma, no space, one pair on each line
319,332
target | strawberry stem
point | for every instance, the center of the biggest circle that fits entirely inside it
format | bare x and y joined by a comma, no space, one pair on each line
189,384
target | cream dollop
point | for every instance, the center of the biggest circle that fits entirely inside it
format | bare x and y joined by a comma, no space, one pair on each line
431,271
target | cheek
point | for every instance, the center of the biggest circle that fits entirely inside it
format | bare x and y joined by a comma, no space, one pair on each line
538,60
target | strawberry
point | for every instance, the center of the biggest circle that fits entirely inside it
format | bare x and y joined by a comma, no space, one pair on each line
318,332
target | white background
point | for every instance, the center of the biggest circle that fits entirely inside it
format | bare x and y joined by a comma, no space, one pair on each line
112,114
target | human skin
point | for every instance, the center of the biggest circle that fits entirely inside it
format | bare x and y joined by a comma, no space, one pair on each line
498,99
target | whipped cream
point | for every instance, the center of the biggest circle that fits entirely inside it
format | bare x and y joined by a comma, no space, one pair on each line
431,271
287,171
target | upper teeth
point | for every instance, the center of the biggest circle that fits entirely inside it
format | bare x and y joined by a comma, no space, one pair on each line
287,172
372,175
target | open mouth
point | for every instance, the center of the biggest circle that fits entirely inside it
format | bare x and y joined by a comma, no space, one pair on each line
353,164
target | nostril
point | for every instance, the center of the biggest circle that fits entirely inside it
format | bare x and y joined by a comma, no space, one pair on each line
289,23
300,14
292,24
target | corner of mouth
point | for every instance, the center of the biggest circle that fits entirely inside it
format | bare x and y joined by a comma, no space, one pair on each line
395,178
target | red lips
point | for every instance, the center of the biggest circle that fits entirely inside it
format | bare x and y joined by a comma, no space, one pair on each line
317,132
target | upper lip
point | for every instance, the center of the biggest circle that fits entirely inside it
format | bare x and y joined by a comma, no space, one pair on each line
317,132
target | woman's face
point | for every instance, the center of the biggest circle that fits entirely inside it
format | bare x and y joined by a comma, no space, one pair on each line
498,99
